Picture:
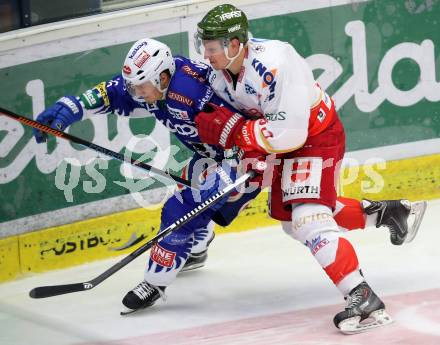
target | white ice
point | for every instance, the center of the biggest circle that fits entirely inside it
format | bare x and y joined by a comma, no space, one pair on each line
250,278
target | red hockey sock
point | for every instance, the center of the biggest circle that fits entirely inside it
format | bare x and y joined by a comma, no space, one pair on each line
349,214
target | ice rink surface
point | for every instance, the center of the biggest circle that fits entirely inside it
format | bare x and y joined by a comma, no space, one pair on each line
258,287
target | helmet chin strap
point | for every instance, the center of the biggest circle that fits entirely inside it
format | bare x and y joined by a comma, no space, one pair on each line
162,90
232,59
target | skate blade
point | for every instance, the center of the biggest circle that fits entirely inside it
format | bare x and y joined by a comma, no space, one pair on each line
418,209
192,267
377,318
128,312
132,311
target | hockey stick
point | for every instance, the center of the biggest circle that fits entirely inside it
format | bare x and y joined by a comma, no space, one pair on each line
95,147
54,290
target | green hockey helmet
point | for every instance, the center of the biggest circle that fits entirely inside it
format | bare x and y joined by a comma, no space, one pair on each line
223,22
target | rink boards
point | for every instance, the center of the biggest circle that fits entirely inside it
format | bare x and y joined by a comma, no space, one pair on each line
94,239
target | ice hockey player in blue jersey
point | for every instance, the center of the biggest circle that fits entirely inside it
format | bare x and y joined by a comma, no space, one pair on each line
174,90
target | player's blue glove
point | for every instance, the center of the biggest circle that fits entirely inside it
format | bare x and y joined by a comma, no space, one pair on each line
61,115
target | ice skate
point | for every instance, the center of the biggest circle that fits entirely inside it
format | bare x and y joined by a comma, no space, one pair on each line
144,295
364,311
394,214
196,260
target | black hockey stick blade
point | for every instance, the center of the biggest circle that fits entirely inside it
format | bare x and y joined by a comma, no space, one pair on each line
55,290
95,147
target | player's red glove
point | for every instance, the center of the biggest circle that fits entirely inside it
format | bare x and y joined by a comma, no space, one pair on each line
219,125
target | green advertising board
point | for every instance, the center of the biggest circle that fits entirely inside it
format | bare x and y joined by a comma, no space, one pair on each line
36,178
377,59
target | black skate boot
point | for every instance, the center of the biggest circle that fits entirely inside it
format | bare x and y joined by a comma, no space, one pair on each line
364,311
394,214
197,260
144,295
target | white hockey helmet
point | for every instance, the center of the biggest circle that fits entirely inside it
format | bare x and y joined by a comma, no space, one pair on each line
145,61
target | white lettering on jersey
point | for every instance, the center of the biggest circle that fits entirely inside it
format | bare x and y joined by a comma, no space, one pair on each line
301,178
199,64
182,129
276,81
206,98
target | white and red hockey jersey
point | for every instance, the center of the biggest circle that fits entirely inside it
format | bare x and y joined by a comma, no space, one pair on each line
277,84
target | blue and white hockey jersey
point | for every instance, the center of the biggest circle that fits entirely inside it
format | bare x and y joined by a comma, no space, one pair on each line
187,94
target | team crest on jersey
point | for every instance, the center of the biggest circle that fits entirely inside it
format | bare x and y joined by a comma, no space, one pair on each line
178,114
258,48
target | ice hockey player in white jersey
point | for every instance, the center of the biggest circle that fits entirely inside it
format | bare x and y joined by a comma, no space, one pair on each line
294,120
175,90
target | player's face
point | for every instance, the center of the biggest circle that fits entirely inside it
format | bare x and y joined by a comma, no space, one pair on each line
214,52
148,92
